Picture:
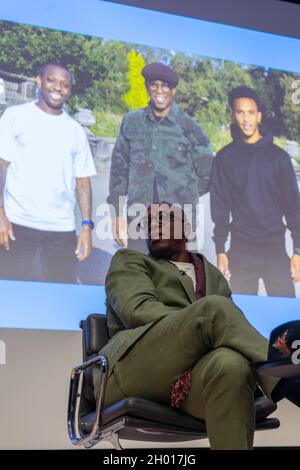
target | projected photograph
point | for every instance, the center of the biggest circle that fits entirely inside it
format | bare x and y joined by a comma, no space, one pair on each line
93,131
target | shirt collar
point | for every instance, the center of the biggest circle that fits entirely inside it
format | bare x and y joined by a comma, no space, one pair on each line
171,116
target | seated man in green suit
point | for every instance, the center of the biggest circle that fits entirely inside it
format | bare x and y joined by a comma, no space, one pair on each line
177,337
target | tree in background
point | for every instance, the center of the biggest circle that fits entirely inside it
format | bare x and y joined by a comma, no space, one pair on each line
267,84
290,109
106,66
107,79
137,95
203,93
99,67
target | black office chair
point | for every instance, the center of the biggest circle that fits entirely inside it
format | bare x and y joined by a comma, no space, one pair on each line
131,418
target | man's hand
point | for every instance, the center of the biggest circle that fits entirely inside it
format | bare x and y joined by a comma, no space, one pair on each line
223,265
84,244
119,228
6,231
295,268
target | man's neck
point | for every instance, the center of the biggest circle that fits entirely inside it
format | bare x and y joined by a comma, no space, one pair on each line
253,138
160,114
43,106
180,257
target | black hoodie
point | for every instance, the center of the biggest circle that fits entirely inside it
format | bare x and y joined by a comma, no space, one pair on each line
255,185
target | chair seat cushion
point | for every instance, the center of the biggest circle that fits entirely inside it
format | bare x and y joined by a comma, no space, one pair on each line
144,409
154,412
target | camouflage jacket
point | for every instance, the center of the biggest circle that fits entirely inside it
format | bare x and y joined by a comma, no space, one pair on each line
172,152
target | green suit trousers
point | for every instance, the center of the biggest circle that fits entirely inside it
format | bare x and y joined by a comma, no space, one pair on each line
213,338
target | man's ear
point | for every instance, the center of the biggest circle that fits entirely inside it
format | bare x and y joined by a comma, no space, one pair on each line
259,116
173,91
38,81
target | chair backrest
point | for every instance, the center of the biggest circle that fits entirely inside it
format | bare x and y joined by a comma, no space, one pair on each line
94,337
94,334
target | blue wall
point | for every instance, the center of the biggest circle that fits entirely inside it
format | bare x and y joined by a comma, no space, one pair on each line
42,305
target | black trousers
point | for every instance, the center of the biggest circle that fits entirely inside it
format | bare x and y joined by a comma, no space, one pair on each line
248,266
40,255
287,388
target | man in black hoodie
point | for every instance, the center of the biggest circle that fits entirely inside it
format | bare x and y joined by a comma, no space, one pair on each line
253,187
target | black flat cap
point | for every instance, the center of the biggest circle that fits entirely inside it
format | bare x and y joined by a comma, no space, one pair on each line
284,352
159,71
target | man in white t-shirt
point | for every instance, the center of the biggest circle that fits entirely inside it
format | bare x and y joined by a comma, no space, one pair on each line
45,163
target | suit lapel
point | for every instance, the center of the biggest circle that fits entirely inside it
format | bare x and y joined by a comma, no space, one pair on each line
188,285
184,279
211,280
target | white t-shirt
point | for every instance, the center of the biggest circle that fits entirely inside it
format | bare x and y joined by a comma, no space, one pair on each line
188,268
46,154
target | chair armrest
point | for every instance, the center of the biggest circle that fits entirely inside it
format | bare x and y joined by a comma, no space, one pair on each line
74,400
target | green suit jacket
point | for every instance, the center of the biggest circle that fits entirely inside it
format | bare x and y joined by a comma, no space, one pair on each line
141,290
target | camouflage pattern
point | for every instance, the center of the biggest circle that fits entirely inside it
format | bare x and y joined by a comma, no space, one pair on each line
172,151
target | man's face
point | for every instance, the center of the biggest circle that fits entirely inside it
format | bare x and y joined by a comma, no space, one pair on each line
55,88
247,116
165,230
161,95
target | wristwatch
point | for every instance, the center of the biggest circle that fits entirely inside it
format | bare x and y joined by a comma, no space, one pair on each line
89,223
297,251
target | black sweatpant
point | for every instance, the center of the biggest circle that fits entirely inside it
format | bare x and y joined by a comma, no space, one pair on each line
54,250
248,266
